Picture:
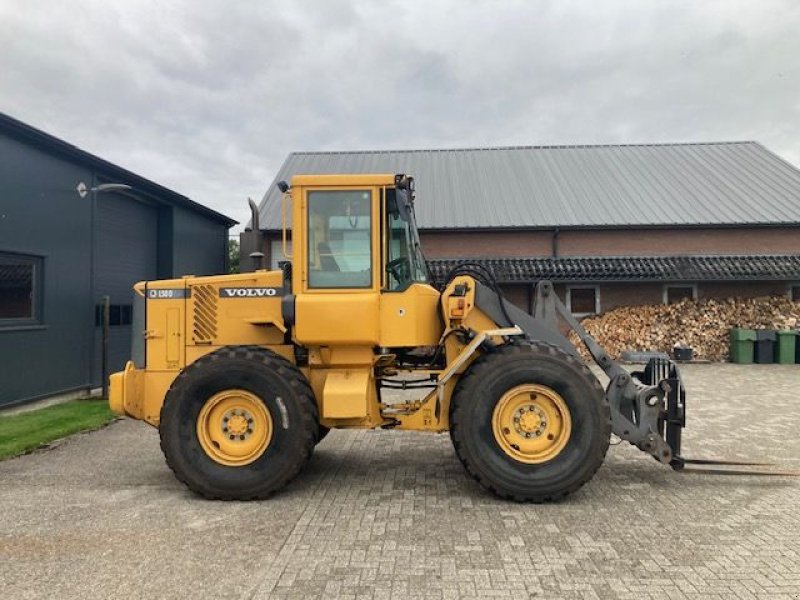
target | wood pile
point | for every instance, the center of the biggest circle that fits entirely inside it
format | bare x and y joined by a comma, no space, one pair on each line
702,325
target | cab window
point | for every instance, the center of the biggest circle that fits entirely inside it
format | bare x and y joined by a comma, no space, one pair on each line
397,261
404,261
340,239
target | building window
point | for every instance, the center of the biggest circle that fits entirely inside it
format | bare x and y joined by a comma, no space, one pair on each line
583,300
794,292
676,293
20,289
118,315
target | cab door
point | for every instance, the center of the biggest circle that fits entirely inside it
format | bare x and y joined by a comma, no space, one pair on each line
337,291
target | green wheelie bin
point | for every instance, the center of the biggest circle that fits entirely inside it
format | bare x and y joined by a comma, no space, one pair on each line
742,342
785,348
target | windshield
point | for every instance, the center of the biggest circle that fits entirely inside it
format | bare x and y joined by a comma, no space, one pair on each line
404,261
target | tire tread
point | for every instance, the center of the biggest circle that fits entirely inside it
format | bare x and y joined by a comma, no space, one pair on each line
269,360
484,367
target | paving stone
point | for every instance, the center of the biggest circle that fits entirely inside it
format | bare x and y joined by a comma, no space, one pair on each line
389,514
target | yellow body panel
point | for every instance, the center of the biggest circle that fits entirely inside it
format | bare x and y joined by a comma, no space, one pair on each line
409,318
237,319
337,319
165,328
342,181
140,393
345,394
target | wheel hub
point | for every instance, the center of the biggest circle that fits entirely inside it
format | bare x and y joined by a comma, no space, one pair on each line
531,423
234,427
237,424
530,420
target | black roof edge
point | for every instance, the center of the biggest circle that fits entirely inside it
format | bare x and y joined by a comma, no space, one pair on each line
611,227
621,256
562,228
41,138
502,262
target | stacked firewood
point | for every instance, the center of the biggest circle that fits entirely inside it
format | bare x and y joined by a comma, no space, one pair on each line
702,325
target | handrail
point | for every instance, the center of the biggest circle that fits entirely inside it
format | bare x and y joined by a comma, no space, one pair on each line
283,224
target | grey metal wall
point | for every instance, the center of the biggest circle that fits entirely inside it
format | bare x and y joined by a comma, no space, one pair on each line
41,214
200,246
87,253
126,251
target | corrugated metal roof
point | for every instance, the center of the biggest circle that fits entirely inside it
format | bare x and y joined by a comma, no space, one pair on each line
726,183
634,268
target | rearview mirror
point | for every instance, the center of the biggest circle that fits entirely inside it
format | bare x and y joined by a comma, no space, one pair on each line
403,204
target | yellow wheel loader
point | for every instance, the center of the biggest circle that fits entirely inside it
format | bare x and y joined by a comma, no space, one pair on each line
244,374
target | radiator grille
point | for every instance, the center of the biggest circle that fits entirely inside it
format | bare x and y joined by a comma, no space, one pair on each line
204,326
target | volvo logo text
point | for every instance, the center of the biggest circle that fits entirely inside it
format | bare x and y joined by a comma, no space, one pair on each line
250,292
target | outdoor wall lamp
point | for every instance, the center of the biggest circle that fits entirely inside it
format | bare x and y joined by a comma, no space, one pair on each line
83,190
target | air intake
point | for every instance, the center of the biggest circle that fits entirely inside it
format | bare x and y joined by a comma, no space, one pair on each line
204,326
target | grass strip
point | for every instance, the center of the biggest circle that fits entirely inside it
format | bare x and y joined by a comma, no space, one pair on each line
27,431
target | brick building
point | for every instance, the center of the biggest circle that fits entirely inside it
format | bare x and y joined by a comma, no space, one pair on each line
610,225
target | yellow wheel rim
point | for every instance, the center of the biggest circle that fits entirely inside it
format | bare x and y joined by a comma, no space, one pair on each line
531,423
234,427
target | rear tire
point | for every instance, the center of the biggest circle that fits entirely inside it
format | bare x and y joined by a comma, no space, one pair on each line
257,385
548,375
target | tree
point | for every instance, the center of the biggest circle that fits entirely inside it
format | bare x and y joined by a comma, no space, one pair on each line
233,255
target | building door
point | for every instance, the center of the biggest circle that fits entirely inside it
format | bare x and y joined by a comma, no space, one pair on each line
126,251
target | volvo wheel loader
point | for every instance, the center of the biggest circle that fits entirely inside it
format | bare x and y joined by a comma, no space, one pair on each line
244,374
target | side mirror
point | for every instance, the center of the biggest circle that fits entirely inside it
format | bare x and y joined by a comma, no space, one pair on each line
403,204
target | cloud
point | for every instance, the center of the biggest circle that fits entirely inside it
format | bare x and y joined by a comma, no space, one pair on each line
208,97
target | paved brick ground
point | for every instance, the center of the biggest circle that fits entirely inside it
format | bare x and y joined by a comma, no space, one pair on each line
392,515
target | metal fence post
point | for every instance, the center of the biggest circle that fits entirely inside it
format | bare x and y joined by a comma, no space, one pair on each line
106,304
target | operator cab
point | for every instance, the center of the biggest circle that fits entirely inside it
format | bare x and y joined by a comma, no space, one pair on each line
340,241
358,273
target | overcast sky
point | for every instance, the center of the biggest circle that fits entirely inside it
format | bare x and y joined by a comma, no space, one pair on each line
207,98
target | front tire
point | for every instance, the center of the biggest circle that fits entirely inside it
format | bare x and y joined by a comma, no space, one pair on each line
323,432
238,424
530,423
